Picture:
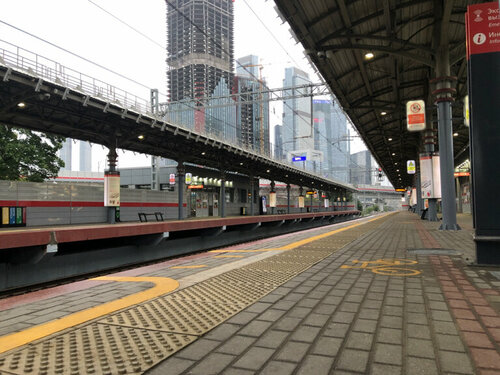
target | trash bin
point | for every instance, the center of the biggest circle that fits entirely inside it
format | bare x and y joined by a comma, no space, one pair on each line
243,210
12,216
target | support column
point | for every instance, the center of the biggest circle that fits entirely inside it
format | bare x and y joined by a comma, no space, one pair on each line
181,173
301,192
288,198
459,195
112,160
420,202
273,185
223,194
429,142
252,188
311,204
443,93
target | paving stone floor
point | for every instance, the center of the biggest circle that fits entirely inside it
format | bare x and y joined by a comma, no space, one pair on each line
423,314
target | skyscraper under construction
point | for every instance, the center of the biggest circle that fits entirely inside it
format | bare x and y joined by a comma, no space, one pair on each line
200,62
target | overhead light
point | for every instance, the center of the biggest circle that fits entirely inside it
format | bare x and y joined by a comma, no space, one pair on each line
241,163
203,153
395,163
397,170
369,55
455,134
393,154
389,139
268,171
21,105
383,113
141,137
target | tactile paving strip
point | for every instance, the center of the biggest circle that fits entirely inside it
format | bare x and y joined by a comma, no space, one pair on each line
135,339
177,316
96,349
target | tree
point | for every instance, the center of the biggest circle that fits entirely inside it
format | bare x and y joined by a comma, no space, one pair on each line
28,155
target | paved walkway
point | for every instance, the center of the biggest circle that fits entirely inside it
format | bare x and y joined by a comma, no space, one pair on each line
361,311
388,295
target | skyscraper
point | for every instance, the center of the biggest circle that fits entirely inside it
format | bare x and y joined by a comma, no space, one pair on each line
361,168
85,157
298,137
278,142
252,113
200,61
65,154
331,137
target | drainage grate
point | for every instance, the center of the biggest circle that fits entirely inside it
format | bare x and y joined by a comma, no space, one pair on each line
433,252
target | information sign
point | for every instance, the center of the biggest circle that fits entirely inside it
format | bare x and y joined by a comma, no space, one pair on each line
299,158
171,179
189,178
483,28
415,115
411,166
272,199
301,201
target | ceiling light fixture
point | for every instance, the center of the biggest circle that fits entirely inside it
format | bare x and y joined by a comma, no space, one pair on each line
383,113
141,137
369,55
389,139
455,134
21,105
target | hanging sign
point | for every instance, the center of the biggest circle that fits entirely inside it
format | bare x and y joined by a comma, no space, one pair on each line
415,115
299,158
112,189
483,28
326,203
171,179
466,111
189,178
411,166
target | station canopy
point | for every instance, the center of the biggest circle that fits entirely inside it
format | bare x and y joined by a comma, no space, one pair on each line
376,55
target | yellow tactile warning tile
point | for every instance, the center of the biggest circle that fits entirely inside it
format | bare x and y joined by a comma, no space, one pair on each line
162,285
189,267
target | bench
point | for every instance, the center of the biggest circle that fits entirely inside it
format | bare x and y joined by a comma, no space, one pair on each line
143,216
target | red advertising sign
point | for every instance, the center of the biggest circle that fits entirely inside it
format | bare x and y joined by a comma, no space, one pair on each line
415,115
483,28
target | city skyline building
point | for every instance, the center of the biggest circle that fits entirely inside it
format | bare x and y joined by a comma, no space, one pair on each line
331,138
85,157
278,142
200,64
65,153
361,168
252,105
297,131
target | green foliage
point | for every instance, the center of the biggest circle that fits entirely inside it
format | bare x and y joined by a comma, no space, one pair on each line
376,208
27,155
359,206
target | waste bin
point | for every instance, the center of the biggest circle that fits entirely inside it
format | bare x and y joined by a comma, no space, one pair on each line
13,217
243,210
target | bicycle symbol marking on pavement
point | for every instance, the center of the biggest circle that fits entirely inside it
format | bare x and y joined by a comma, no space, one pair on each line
388,267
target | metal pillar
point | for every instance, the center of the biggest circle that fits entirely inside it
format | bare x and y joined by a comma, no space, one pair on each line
420,202
155,160
429,142
311,204
301,191
112,160
443,93
252,188
459,195
273,185
288,198
181,172
223,194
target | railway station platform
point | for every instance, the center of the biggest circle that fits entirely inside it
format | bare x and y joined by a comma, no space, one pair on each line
387,294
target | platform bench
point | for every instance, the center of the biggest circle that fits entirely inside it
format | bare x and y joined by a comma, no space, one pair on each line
143,216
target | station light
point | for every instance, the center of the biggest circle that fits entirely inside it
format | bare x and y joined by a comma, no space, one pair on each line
140,136
389,139
268,171
369,55
203,153
383,113
455,134
21,105
393,154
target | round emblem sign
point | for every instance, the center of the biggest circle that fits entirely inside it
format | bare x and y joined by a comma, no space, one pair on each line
415,108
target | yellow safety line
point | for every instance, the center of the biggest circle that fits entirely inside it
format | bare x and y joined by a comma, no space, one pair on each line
162,285
296,244
181,267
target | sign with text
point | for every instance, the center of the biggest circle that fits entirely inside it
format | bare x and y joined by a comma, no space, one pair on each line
430,176
171,179
299,158
411,166
272,199
301,201
189,178
415,115
483,28
112,189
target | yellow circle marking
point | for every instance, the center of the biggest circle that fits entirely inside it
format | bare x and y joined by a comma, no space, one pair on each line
395,271
162,285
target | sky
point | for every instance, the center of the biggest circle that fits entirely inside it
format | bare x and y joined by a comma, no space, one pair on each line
83,28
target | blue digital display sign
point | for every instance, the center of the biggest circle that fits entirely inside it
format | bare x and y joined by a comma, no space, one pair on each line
299,158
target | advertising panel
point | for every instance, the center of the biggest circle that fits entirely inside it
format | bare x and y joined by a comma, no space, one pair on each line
301,201
272,199
112,189
326,203
436,176
430,176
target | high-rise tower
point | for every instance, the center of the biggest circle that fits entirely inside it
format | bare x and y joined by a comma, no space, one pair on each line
200,60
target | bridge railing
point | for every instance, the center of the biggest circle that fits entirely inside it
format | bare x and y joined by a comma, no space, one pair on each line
52,71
